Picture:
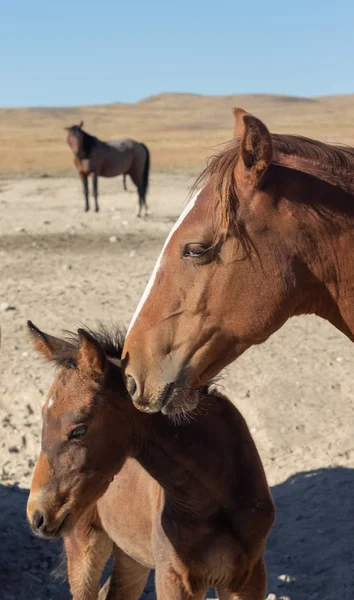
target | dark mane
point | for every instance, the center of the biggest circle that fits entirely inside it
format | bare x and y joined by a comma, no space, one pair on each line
333,164
111,341
88,143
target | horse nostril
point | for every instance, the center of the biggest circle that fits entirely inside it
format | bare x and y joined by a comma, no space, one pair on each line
38,521
132,386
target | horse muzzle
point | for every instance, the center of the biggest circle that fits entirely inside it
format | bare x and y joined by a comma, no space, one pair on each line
45,527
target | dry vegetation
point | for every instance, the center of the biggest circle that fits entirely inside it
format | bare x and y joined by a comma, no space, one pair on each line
181,129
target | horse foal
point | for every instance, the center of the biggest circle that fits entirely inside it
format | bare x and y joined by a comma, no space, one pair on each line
189,499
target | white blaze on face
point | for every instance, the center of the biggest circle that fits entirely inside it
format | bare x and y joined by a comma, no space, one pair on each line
148,288
50,402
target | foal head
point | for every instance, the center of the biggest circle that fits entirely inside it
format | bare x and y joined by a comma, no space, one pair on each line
75,137
81,448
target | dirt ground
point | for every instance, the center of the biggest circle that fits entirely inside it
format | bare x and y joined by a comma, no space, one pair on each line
61,267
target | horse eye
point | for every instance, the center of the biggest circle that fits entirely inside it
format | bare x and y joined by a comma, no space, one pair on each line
78,433
194,250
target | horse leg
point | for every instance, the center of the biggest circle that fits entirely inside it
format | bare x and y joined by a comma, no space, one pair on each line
136,179
95,190
84,180
141,202
87,549
170,586
127,580
142,195
254,589
125,182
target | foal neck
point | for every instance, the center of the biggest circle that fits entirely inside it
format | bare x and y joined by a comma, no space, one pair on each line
199,463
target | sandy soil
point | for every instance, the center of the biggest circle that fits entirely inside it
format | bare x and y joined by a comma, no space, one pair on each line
60,268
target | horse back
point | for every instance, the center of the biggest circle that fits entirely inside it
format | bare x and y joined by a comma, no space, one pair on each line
113,158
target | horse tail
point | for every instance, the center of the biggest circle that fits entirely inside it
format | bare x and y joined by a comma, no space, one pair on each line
145,183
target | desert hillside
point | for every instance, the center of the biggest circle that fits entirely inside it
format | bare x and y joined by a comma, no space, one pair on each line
181,130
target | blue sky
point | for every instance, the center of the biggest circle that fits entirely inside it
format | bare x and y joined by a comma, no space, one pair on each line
86,52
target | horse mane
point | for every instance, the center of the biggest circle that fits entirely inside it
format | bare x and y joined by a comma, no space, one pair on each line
333,164
88,143
110,341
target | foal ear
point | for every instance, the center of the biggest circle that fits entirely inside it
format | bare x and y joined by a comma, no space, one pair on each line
81,125
256,150
45,344
91,359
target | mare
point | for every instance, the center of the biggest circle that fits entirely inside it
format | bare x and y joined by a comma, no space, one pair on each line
269,235
190,499
103,159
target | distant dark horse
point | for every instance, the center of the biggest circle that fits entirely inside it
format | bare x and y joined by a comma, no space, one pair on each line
121,157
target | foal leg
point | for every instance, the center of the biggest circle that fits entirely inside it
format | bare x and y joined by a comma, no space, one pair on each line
124,182
87,548
127,580
86,190
95,190
170,586
254,589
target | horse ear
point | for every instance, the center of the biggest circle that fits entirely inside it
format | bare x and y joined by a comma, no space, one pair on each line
81,124
256,150
45,344
91,359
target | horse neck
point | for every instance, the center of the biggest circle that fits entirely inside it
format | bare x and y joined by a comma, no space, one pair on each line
325,250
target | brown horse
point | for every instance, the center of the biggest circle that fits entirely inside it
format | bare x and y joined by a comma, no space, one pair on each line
270,235
103,159
191,500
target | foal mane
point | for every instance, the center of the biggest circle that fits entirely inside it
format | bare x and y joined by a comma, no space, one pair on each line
111,341
333,164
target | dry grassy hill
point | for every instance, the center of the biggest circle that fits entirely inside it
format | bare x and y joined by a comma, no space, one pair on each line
180,129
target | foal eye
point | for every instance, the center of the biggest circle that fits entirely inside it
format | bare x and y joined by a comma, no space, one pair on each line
194,250
78,433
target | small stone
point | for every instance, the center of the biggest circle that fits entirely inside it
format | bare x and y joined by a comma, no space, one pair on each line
132,253
24,354
113,239
67,267
29,409
20,230
286,578
46,222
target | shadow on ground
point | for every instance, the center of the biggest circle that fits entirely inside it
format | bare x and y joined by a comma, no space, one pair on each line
310,551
